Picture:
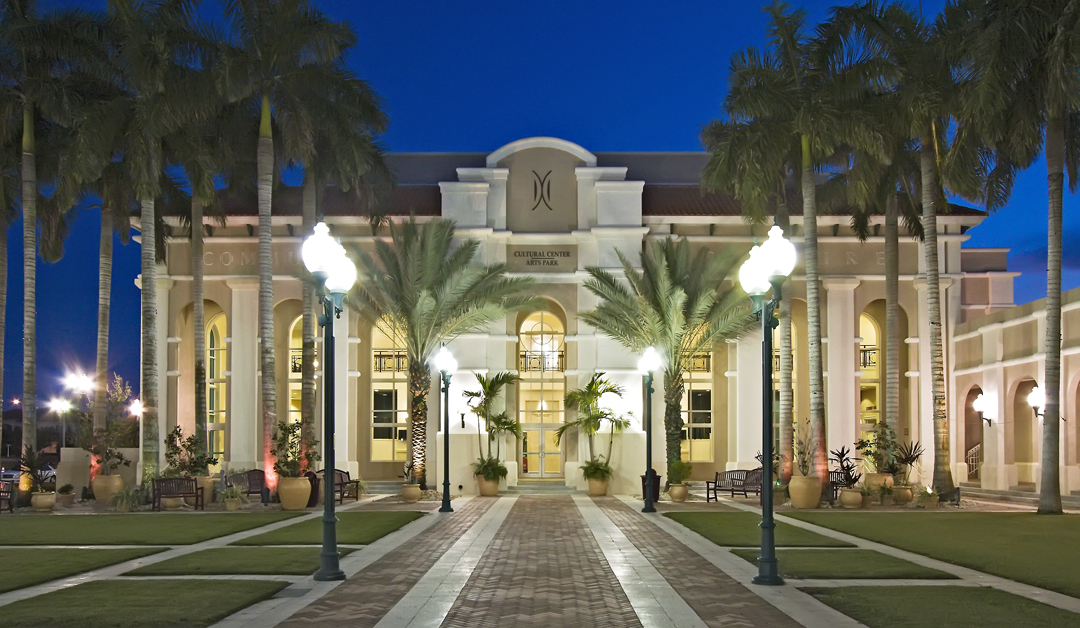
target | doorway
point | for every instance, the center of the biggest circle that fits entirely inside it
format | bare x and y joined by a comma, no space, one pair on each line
541,393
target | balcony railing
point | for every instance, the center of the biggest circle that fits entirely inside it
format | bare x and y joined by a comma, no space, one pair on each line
390,361
868,356
700,363
296,360
541,361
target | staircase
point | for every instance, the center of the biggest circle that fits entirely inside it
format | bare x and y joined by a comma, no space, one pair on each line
1024,494
383,487
535,487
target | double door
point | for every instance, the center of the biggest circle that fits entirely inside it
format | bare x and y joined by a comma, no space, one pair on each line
541,456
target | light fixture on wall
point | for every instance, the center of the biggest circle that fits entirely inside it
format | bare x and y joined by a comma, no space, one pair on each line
1037,400
982,405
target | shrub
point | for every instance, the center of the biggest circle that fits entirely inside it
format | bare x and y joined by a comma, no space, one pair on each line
678,471
295,449
492,469
596,469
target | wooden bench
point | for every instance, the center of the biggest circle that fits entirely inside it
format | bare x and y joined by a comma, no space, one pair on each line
177,487
737,481
838,480
344,486
7,494
249,482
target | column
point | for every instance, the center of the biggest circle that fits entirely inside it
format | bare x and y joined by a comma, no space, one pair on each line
922,427
344,437
994,473
842,394
747,417
244,415
164,315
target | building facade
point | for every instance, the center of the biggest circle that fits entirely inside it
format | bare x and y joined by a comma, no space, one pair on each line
548,209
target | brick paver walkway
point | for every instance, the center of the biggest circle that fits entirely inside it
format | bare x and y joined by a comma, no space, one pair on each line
716,598
362,600
543,568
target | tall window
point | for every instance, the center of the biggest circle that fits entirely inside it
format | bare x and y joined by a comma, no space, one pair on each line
870,382
389,396
541,393
697,415
296,369
216,393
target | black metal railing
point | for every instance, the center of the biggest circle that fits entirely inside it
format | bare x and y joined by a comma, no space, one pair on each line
296,360
390,361
700,363
868,356
973,458
541,361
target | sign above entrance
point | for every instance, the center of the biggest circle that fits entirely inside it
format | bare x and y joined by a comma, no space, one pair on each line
529,258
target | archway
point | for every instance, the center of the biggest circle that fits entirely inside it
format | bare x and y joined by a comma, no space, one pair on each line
541,390
217,398
973,454
1023,430
389,394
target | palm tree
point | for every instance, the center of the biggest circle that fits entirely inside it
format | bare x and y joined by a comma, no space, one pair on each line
38,51
425,290
798,86
282,51
679,303
482,402
1020,59
590,416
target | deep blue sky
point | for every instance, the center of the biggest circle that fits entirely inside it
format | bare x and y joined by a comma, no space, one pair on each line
472,76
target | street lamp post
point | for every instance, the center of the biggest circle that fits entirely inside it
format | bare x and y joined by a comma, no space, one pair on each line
335,273
648,364
446,365
768,267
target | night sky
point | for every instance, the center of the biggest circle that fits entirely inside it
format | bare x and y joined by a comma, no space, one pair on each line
472,76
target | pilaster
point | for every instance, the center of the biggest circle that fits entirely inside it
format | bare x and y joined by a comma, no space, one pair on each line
244,416
842,400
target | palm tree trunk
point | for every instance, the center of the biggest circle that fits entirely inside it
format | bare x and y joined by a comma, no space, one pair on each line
105,254
29,209
943,480
198,317
1050,489
307,374
268,388
786,445
673,423
820,463
3,301
148,386
892,314
419,385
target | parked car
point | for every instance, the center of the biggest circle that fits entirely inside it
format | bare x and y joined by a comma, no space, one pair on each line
12,475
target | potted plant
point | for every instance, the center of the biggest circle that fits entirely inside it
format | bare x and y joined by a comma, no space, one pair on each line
907,456
929,498
868,491
187,457
780,495
805,489
884,493
233,497
104,448
410,490
678,471
879,455
38,471
125,499
489,468
590,421
850,496
295,451
67,495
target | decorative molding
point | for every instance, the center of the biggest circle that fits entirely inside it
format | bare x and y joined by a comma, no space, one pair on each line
541,142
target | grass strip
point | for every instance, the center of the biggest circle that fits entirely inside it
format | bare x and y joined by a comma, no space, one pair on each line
955,607
130,529
228,561
24,567
740,529
142,604
353,528
844,563
1039,550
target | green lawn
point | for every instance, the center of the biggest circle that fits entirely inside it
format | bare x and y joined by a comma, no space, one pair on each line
145,604
225,561
843,563
1035,549
353,528
955,607
740,529
130,529
24,567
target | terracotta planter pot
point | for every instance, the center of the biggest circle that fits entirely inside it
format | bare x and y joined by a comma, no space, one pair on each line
867,501
67,500
123,508
805,491
232,504
930,504
678,492
598,488
43,502
293,493
105,486
850,498
488,488
410,493
172,503
207,485
901,495
878,479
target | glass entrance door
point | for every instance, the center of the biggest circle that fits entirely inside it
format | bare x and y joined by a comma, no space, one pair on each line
541,457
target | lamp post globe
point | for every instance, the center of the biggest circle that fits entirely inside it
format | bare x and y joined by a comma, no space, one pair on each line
767,267
648,364
445,363
319,251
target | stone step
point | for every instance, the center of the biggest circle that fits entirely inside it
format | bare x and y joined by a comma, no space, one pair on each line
1014,496
384,487
541,488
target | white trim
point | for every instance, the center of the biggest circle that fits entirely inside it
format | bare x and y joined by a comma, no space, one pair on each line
541,142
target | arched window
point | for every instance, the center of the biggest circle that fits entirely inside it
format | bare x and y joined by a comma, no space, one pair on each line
217,399
870,381
389,395
296,368
541,391
697,414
